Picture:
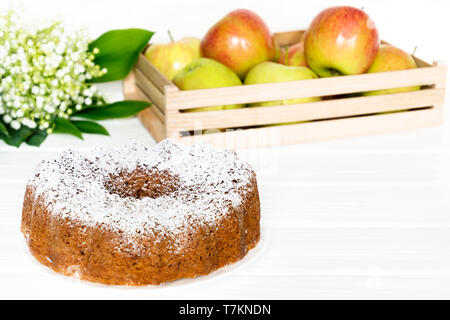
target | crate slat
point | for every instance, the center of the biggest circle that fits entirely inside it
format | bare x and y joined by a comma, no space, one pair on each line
156,77
309,111
443,66
150,90
321,130
420,63
153,124
304,88
132,92
289,38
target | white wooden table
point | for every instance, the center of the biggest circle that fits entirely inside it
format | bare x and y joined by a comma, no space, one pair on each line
365,217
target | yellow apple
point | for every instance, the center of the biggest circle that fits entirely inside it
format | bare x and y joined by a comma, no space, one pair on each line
390,58
170,58
194,44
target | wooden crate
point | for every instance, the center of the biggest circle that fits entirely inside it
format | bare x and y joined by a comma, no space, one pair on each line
339,114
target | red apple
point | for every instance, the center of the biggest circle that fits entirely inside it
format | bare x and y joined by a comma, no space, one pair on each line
294,56
240,40
341,41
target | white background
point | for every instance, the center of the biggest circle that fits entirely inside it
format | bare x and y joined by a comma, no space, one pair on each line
366,217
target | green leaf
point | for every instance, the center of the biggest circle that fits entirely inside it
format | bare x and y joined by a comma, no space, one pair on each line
121,109
36,138
90,127
65,126
119,51
16,137
3,129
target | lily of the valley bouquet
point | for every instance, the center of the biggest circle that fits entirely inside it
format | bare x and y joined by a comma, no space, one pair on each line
48,76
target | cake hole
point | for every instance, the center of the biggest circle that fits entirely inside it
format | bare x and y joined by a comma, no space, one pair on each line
142,183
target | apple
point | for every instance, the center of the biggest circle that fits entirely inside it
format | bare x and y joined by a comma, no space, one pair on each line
270,72
171,57
194,44
204,73
294,56
240,40
341,41
390,58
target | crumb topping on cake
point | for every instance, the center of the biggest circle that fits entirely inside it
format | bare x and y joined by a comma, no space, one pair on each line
181,187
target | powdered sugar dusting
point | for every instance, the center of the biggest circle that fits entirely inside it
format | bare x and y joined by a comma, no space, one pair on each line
209,183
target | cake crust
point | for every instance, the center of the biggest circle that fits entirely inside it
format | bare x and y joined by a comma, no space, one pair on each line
149,221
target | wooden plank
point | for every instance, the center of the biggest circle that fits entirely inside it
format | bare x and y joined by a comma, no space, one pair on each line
132,92
321,130
150,90
156,77
420,63
153,124
129,88
289,38
152,107
308,111
443,79
305,88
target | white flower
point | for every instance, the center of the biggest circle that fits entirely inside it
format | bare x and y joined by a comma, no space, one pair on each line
49,109
3,52
75,56
60,48
43,74
15,125
7,118
30,123
39,102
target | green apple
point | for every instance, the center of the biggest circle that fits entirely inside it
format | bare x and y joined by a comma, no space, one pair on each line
205,73
171,57
270,72
341,41
388,59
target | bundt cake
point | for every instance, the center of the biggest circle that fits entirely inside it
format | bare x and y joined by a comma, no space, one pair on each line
141,215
